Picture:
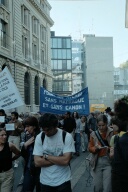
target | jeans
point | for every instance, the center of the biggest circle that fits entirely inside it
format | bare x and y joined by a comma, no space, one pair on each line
77,142
65,187
30,181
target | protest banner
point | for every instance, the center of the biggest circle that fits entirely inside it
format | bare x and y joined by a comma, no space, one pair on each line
9,95
56,104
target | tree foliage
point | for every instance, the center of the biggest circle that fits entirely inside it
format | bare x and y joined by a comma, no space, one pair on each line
124,65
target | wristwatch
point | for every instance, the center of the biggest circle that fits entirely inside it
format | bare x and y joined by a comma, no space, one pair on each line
46,156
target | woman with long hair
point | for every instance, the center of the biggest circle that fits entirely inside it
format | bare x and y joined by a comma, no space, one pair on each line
99,146
6,170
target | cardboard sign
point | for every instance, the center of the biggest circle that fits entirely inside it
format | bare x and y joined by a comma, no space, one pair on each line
10,127
2,119
9,94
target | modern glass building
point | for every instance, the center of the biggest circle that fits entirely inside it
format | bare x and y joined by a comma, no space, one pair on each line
61,64
78,67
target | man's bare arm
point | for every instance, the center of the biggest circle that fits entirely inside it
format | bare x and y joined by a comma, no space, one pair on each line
60,160
41,162
52,160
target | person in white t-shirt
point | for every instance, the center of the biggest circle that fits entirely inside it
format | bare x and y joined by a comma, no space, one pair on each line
53,155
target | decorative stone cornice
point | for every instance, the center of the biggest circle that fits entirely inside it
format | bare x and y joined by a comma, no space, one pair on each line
42,12
4,13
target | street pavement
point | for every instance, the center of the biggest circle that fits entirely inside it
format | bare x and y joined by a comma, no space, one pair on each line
81,178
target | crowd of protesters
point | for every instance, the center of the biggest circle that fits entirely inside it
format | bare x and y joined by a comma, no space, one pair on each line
47,143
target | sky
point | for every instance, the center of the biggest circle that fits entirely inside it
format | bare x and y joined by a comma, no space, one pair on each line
100,17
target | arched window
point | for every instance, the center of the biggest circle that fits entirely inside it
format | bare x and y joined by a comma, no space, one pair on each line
27,88
44,83
36,90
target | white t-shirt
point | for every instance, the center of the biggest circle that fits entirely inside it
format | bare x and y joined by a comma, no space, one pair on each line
54,175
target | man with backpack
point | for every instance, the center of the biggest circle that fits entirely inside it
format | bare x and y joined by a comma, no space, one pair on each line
52,152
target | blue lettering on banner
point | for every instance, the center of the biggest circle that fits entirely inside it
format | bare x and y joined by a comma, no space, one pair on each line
52,103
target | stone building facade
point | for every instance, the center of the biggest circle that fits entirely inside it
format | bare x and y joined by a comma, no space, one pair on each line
25,47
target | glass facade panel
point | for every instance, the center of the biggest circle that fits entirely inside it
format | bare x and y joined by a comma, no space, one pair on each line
68,53
64,64
54,42
60,64
60,86
59,43
65,86
64,43
59,54
55,65
69,86
64,53
54,53
68,43
69,64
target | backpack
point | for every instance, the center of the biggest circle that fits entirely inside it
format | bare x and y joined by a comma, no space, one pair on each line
63,136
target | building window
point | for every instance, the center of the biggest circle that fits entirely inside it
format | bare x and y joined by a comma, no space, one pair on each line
43,33
43,61
3,2
59,53
36,90
25,45
27,88
44,83
35,25
64,64
64,54
35,52
54,43
55,66
64,44
25,16
59,43
69,43
69,54
54,54
42,57
59,64
3,28
42,4
69,64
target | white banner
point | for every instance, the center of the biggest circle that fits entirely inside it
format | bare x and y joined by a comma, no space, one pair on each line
9,94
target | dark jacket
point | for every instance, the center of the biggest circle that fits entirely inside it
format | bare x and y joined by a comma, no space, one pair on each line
120,159
92,123
69,124
27,154
87,130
